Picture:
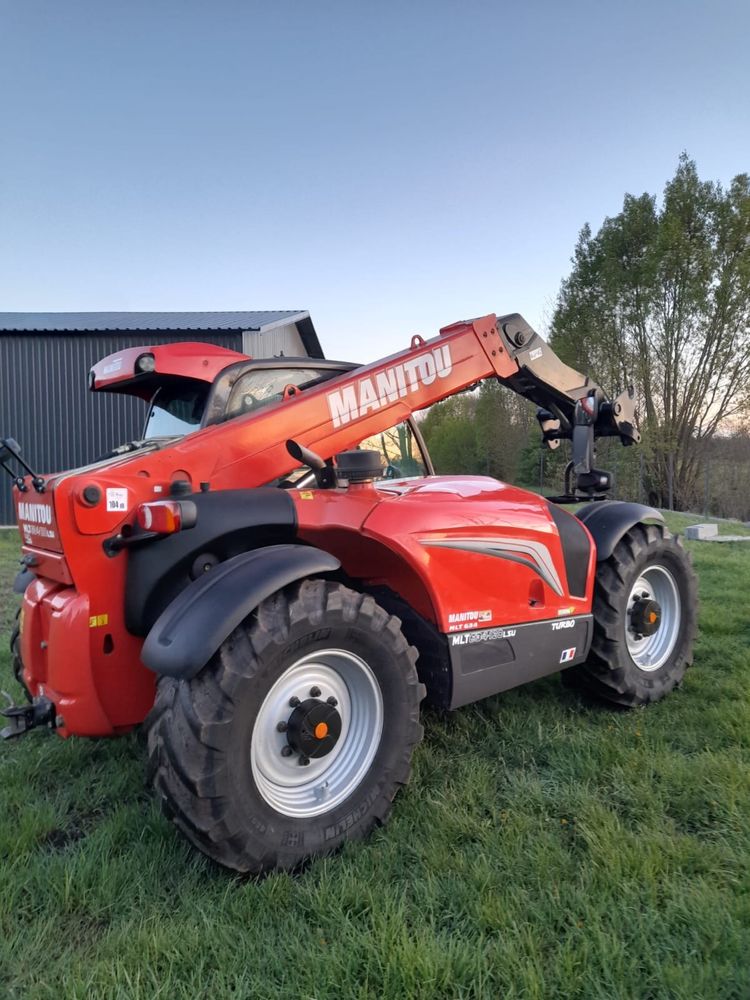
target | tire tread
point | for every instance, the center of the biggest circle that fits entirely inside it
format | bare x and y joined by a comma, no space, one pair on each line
187,729
609,671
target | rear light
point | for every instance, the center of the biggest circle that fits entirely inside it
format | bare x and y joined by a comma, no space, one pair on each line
164,517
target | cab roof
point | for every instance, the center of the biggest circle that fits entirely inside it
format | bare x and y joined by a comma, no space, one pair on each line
119,372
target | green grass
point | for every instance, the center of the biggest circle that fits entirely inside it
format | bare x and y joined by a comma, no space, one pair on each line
546,847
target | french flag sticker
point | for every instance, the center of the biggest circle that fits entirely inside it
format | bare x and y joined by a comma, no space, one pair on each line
567,655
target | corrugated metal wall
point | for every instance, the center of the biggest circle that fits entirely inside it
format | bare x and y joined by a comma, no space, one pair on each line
46,406
274,342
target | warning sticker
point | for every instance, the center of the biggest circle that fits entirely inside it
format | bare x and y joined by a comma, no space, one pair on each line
117,499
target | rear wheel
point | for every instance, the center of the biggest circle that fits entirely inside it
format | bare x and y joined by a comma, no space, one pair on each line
645,603
295,737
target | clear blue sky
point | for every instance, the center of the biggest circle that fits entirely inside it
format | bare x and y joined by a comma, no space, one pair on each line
390,166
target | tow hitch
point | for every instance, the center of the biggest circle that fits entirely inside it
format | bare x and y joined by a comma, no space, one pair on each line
22,718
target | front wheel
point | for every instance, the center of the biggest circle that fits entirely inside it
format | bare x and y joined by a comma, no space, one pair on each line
645,603
296,736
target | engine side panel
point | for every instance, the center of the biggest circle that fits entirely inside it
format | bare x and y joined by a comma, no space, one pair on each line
484,561
512,592
491,554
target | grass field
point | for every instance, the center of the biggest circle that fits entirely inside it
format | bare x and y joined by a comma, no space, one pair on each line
545,848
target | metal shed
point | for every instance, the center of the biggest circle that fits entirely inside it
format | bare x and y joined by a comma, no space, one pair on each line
45,358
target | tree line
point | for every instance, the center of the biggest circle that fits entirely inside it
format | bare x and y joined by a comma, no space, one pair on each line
658,297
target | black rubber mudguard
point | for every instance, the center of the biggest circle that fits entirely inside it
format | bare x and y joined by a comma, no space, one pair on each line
608,520
191,629
22,580
229,523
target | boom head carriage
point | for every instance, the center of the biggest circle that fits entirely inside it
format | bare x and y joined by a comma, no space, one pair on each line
571,406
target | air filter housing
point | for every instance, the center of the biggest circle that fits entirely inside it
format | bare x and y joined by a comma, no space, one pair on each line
359,466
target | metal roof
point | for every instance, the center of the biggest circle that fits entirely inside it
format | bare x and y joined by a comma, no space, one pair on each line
92,322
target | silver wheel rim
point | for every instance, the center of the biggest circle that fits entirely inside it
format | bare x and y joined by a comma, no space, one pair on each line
300,790
649,652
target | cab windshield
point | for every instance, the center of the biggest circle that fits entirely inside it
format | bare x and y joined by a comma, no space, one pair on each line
176,410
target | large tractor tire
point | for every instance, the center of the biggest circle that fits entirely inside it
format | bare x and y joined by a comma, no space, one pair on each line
645,610
297,734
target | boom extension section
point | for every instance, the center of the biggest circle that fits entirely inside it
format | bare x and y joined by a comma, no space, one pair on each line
370,399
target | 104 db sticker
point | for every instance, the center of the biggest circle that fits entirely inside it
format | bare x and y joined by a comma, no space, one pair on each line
117,499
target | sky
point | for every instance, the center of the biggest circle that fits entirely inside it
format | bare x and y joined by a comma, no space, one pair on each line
391,166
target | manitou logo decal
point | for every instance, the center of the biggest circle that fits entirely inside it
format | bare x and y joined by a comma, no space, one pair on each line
389,385
37,513
458,617
35,520
460,620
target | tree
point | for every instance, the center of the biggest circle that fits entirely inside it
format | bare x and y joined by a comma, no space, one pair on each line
504,421
660,296
480,433
450,434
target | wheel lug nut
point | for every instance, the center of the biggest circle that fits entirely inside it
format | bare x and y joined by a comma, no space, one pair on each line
293,701
286,751
304,761
281,727
332,701
314,692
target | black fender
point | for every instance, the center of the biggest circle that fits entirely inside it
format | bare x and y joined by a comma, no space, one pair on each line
609,520
188,633
22,580
230,522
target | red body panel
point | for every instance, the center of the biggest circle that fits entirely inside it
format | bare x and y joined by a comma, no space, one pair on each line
396,532
75,646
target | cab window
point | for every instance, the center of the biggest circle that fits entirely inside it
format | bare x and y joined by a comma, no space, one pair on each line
261,386
400,452
176,410
399,448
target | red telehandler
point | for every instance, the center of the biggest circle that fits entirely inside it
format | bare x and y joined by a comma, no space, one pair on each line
272,580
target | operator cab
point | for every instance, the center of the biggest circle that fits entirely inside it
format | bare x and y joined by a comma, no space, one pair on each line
179,407
189,386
